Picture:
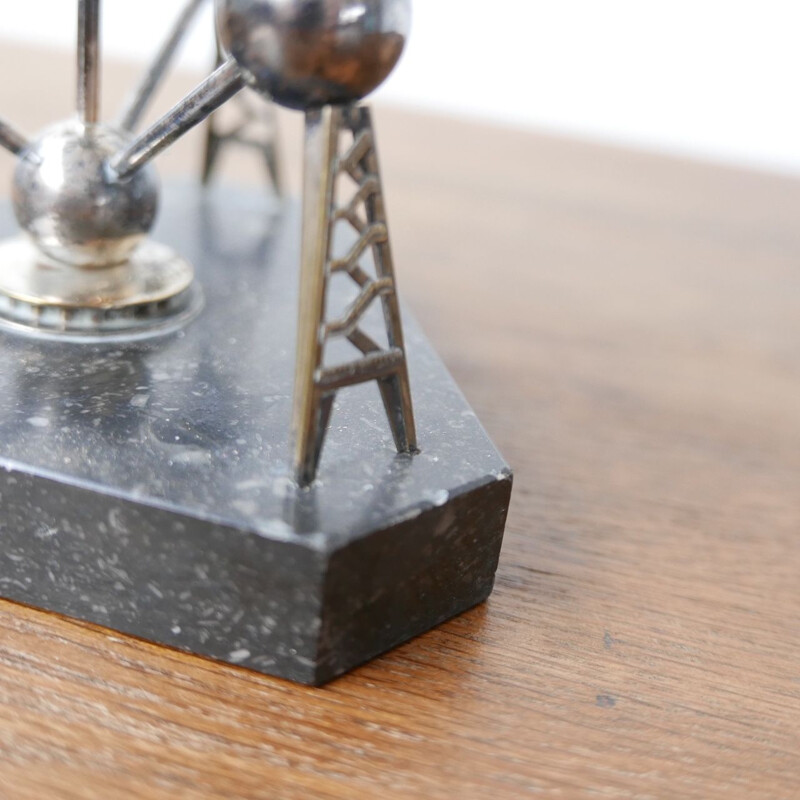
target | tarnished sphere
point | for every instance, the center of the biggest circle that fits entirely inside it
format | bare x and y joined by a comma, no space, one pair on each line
72,206
309,53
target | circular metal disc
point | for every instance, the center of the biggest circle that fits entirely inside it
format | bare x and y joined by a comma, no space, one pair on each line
151,291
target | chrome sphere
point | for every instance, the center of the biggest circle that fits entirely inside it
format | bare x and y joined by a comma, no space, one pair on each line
73,206
309,53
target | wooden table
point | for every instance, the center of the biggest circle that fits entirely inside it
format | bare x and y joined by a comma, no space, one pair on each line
628,328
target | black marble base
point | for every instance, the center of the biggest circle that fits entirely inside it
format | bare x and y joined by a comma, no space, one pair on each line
146,485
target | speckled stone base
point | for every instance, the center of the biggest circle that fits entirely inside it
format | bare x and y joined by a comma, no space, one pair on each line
145,486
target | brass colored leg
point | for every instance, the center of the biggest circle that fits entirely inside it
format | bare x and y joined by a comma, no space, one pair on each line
316,385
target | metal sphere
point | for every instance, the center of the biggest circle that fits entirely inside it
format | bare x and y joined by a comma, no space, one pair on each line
73,206
310,53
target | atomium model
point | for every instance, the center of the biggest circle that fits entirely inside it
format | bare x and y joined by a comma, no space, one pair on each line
86,195
302,570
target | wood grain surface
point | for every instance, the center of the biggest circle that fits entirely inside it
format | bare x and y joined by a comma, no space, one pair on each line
627,327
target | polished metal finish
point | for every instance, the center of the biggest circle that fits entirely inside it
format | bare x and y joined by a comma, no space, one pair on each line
316,383
151,291
11,139
133,112
74,209
311,53
216,90
89,61
72,206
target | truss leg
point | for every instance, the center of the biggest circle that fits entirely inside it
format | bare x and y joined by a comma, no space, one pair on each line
396,395
251,123
315,384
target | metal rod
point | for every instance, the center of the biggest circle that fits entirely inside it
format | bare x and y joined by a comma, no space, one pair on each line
89,61
132,114
216,90
309,422
11,139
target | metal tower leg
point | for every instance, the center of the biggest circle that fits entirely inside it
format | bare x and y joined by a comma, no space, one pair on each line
316,385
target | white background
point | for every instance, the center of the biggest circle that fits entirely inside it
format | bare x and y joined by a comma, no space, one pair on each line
709,78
